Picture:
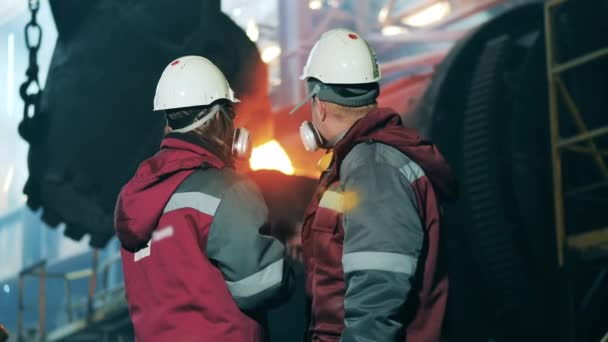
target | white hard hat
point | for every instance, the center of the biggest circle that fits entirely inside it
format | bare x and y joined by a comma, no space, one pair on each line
342,57
191,81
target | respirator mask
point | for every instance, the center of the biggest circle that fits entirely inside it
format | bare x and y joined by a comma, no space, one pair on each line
309,134
241,143
241,140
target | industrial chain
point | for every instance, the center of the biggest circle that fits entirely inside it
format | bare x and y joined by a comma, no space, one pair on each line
33,38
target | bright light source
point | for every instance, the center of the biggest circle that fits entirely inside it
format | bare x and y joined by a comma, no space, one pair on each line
382,15
315,4
252,30
6,288
270,53
237,11
428,15
9,179
271,156
393,30
10,74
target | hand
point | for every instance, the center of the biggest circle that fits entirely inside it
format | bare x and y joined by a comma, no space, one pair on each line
294,247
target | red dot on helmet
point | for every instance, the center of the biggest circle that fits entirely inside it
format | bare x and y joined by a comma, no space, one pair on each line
352,36
175,62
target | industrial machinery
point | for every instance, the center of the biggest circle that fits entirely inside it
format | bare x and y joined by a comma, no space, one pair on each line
93,123
517,106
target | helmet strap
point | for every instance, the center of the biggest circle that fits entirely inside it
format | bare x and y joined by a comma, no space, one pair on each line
199,121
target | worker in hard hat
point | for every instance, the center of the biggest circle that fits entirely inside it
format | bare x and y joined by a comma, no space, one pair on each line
371,236
196,267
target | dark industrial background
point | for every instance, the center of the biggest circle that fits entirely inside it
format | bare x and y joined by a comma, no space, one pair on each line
514,92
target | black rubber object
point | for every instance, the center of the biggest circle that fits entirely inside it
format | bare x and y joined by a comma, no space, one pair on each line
96,121
495,283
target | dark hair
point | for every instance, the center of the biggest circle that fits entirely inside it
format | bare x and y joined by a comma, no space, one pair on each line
216,134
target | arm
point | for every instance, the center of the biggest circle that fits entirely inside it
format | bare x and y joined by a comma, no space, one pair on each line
382,244
253,265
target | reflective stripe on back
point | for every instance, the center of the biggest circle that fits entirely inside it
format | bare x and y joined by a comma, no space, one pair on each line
201,202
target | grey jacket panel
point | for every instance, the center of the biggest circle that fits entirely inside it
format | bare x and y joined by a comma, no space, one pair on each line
382,243
253,264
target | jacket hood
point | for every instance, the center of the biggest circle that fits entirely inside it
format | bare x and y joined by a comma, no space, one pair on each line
142,200
384,125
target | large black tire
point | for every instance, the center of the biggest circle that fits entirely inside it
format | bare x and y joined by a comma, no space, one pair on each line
96,122
497,269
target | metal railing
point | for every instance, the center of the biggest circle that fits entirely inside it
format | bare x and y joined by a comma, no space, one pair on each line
596,239
39,270
592,244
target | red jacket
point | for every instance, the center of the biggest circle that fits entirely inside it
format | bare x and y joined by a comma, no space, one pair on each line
191,267
371,237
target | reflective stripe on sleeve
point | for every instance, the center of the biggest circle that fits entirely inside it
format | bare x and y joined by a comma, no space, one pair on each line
379,261
411,171
267,278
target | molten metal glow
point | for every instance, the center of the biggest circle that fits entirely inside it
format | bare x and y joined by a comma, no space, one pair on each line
271,156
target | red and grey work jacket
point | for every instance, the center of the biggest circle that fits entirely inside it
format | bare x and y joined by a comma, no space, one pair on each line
195,266
371,237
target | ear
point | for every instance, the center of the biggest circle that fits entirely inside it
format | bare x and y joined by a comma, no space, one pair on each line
322,110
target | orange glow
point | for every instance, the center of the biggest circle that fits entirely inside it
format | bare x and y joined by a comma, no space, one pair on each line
271,156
